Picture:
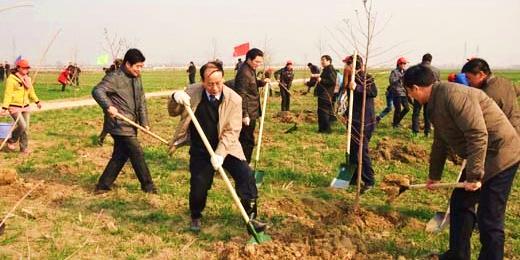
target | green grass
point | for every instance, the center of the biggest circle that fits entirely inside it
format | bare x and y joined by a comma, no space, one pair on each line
133,225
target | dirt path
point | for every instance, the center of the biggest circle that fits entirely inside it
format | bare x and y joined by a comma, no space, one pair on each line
74,103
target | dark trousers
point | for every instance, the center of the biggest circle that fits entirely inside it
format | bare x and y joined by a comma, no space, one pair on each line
492,200
324,113
126,147
389,105
401,109
286,98
415,117
191,77
202,173
367,173
247,139
63,86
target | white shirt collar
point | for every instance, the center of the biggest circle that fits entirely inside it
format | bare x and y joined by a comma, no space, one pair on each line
216,96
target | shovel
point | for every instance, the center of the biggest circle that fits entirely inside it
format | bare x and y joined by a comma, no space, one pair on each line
126,119
346,170
403,188
258,237
442,219
259,174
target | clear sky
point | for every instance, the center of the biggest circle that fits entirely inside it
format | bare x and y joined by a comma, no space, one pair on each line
177,31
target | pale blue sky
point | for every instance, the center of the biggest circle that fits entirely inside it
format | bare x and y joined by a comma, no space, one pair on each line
181,30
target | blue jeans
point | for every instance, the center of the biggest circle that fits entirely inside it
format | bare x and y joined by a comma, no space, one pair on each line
389,105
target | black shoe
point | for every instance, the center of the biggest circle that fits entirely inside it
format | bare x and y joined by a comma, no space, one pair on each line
100,190
151,190
195,225
366,188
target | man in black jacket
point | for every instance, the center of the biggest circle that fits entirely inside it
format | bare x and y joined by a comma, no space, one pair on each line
325,92
192,70
246,85
122,92
367,174
313,79
285,75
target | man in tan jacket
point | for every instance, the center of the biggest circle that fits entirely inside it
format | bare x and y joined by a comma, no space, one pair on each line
472,124
219,112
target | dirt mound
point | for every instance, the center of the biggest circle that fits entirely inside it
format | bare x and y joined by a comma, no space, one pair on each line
392,183
325,231
7,176
398,150
305,116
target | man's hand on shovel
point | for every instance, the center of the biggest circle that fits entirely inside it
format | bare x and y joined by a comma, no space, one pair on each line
472,186
429,184
112,111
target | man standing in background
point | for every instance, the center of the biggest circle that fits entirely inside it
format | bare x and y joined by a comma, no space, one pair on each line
285,75
398,92
426,61
246,85
325,93
192,70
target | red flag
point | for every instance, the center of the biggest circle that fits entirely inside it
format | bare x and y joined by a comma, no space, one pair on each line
241,49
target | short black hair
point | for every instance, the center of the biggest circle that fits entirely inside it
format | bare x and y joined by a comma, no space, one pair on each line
475,66
253,53
133,56
327,57
309,64
211,65
419,75
427,57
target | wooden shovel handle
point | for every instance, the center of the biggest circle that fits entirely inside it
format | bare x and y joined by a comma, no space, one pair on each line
141,128
438,185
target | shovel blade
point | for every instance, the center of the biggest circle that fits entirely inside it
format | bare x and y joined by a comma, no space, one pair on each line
259,238
259,178
342,181
438,222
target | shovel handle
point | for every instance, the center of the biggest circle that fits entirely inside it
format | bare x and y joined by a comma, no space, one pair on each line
438,185
220,170
126,119
262,119
351,101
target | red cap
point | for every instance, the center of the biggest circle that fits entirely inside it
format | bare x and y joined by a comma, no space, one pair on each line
401,60
289,62
452,77
346,59
23,63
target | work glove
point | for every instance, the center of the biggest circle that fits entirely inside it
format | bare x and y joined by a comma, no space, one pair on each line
246,121
217,161
182,98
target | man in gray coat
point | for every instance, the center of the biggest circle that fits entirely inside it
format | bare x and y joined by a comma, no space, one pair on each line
122,92
469,122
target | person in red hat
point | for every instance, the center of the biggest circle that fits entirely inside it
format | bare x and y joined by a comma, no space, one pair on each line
285,77
398,92
18,95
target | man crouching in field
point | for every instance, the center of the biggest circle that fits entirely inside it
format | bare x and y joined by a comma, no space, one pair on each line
219,111
122,92
472,124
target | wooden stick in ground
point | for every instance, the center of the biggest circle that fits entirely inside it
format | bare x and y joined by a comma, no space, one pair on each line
126,119
88,238
19,202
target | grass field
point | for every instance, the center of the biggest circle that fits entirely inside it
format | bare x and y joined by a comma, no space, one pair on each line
65,219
